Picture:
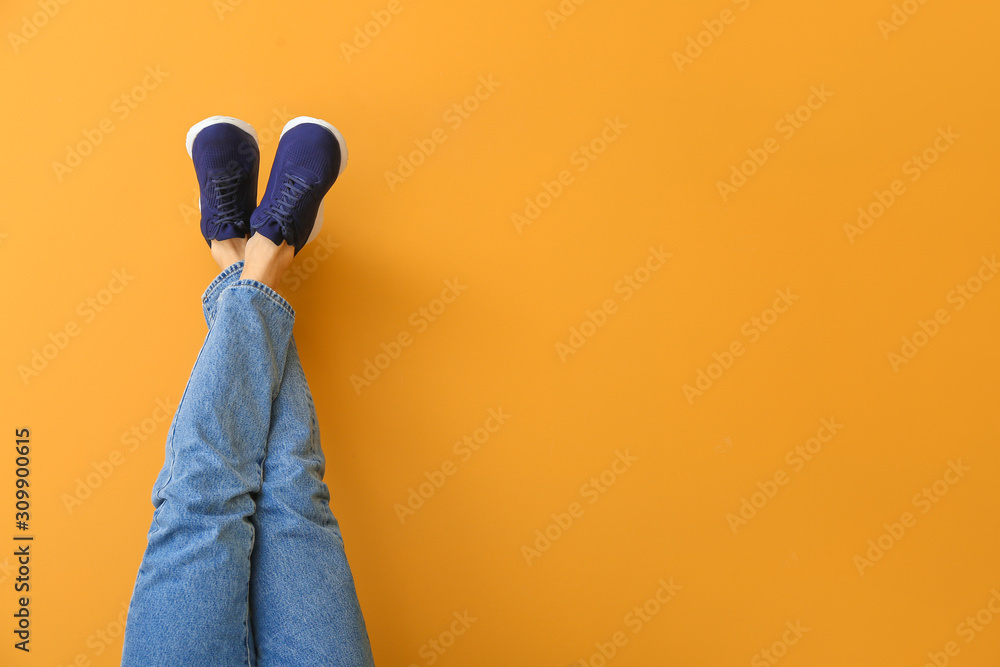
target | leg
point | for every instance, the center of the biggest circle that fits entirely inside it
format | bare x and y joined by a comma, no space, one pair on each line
217,445
190,603
304,607
296,532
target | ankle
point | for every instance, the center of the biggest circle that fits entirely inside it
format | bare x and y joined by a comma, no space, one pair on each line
228,252
266,262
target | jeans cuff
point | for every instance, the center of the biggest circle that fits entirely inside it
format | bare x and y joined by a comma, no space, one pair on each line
211,295
273,296
211,292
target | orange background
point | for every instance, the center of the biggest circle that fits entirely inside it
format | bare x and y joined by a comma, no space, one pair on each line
128,206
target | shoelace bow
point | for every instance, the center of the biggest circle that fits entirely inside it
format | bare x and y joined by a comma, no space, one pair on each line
226,190
292,189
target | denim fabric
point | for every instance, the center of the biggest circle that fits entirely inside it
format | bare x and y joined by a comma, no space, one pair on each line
245,563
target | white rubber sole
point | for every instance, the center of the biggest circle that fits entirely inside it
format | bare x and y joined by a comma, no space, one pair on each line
343,160
213,120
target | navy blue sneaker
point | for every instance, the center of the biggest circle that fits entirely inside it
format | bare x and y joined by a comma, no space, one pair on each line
226,161
311,155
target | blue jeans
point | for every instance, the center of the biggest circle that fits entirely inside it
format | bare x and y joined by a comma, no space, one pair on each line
245,564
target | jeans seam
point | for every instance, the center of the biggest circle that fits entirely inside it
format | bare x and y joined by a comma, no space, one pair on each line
253,541
271,295
173,454
246,616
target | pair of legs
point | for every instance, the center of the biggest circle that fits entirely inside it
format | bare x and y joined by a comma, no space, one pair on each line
245,564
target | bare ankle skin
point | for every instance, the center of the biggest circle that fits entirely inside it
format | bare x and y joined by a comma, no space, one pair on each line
228,252
266,262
